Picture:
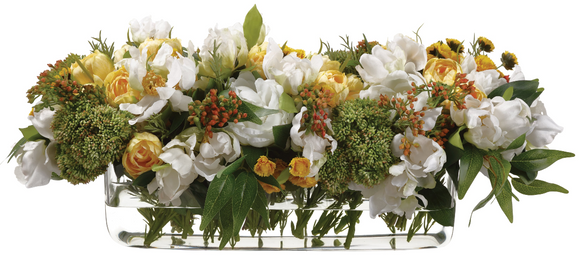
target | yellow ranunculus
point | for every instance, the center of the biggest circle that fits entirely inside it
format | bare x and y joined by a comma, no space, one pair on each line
336,82
328,64
256,58
355,85
300,166
441,70
99,65
264,167
142,153
153,46
118,89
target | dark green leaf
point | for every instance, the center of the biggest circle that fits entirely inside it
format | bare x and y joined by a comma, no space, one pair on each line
198,94
232,167
481,204
261,205
252,154
119,169
470,164
453,172
526,176
268,180
281,134
538,159
177,122
523,89
537,187
227,223
453,154
259,111
252,27
218,194
199,191
144,179
251,116
504,199
245,190
437,198
445,217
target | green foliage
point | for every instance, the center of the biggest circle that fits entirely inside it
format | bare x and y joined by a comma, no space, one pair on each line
252,27
363,132
101,46
89,138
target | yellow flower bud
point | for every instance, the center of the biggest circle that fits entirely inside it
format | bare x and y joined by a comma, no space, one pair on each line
300,166
142,153
99,65
256,58
118,89
441,70
264,167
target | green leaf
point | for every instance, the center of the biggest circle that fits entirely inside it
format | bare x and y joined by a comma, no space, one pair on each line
284,176
538,159
269,180
260,205
245,191
481,204
281,134
526,90
537,187
259,111
445,217
30,133
498,174
455,139
232,167
16,147
469,166
287,104
144,179
504,199
252,154
526,176
252,27
218,194
508,93
437,198
227,224
251,116
176,122
517,143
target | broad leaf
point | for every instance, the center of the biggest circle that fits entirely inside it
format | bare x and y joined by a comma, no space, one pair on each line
259,111
227,224
252,27
245,190
218,194
287,104
509,92
281,134
252,154
537,187
455,139
144,179
517,143
30,133
437,198
526,176
261,205
445,217
470,164
246,108
538,159
526,90
232,167
269,180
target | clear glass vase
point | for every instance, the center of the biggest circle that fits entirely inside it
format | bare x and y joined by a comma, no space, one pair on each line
292,227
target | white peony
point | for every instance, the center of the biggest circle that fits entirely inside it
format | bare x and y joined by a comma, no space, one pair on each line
36,163
543,129
231,47
290,71
173,179
221,149
261,93
146,28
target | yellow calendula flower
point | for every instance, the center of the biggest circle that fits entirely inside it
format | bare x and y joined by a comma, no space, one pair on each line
304,182
264,167
441,70
455,45
300,166
142,153
509,60
484,63
441,50
485,44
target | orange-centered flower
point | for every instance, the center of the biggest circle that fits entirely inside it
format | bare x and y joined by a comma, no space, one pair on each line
151,82
300,167
264,167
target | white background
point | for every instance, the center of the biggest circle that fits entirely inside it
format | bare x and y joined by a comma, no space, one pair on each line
68,220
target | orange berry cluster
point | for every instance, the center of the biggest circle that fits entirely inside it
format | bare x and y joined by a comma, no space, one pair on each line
57,87
317,102
405,109
215,111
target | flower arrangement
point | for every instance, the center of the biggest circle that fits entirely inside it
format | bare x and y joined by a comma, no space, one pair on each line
244,121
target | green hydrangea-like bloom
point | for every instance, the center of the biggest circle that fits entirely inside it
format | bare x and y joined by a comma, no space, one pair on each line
363,132
88,138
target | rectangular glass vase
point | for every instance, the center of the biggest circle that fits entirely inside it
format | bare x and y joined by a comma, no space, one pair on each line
323,227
